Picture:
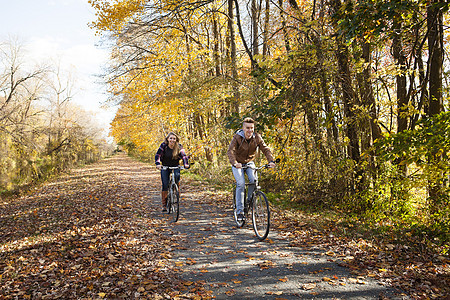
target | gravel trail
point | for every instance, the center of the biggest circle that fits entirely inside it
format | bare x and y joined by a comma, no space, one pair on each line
233,264
98,232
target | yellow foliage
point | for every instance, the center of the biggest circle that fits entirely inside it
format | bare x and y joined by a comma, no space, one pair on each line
113,16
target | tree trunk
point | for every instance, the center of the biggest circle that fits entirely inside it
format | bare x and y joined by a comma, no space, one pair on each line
234,73
368,96
400,62
216,46
200,125
266,29
370,130
332,131
348,99
188,49
436,59
419,66
255,17
283,26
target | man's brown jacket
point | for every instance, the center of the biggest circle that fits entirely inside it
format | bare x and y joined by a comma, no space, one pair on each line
243,151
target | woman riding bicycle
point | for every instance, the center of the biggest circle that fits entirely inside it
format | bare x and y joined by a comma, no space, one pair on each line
169,154
242,150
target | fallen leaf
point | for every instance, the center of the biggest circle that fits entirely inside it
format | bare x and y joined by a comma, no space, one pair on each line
230,292
308,286
266,264
277,293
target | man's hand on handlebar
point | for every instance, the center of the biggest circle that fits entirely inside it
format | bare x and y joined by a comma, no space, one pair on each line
269,165
158,167
273,164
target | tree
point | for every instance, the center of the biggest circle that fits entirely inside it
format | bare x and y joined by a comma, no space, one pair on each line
435,27
348,94
37,139
333,78
233,59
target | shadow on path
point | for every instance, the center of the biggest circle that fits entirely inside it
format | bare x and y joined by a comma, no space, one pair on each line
233,264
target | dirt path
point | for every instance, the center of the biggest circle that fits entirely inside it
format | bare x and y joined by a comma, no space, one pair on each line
98,233
233,264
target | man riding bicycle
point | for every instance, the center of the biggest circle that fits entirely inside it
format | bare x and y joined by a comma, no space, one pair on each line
242,150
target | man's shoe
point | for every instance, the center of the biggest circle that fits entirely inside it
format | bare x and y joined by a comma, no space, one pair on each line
240,217
164,209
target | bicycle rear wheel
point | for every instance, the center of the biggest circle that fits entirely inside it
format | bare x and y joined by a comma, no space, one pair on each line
238,223
175,202
260,215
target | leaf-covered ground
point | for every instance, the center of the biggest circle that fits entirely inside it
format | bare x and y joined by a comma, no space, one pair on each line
417,271
86,235
98,232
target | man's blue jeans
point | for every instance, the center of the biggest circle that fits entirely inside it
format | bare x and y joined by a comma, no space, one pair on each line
239,175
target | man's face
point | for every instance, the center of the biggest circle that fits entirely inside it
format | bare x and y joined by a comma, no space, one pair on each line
248,129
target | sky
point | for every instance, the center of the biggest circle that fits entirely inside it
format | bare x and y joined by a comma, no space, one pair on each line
58,31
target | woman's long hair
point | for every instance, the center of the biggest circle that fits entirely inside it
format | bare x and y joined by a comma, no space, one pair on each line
176,148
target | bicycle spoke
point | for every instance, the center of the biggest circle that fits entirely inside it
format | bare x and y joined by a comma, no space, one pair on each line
261,215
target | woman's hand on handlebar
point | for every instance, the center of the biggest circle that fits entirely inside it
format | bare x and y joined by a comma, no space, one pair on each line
238,165
186,166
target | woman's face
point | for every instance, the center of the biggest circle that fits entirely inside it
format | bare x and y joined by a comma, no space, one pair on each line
172,140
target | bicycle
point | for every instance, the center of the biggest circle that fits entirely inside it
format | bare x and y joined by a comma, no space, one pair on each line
258,204
173,197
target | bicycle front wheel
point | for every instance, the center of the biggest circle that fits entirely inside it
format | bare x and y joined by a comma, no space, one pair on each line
260,215
175,202
169,202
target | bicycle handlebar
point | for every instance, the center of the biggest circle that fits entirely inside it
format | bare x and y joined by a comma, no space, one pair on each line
172,168
245,166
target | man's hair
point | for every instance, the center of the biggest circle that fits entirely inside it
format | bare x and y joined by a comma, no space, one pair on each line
248,120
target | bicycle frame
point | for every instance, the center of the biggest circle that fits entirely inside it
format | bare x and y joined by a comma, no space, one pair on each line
248,200
258,204
171,179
